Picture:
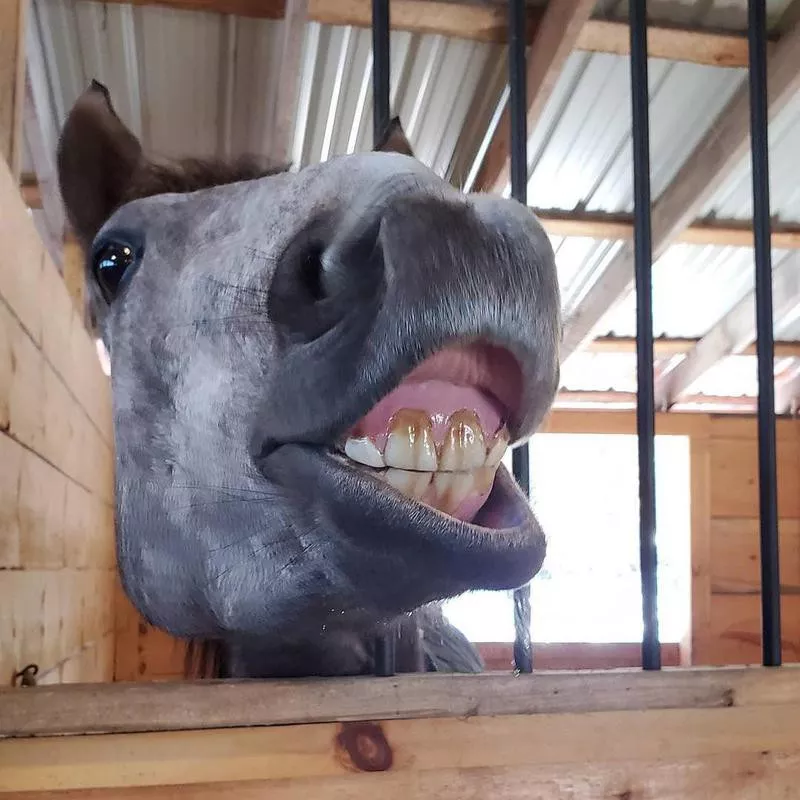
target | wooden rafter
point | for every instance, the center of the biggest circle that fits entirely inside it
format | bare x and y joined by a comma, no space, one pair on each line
486,22
720,151
728,233
13,14
736,330
666,347
554,40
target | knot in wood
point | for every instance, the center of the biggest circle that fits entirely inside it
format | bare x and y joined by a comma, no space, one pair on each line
364,747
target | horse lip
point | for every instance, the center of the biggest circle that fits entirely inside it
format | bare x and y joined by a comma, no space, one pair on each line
469,556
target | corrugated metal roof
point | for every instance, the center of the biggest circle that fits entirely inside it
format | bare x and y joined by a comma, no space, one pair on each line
199,83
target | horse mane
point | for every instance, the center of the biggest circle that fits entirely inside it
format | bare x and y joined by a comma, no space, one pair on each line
192,174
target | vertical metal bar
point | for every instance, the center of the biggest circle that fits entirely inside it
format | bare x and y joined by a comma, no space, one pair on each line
523,655
380,68
765,348
385,646
645,405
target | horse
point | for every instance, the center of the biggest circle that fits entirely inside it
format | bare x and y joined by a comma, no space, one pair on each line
315,374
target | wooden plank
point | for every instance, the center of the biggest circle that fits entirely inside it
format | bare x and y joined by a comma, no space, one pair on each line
734,485
13,17
128,707
664,346
733,233
75,276
748,776
735,556
734,636
405,747
700,550
21,257
674,44
40,413
720,151
622,422
487,22
554,40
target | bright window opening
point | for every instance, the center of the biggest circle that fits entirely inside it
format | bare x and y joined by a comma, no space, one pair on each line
585,492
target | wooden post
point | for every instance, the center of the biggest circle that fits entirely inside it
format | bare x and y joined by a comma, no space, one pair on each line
12,81
75,275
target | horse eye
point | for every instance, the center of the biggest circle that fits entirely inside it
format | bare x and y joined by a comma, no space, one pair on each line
111,262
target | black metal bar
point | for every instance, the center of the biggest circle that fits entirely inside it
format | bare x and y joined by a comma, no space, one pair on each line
645,403
518,115
380,68
765,346
385,646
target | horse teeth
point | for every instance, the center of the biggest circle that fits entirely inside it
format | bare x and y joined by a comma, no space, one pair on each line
464,447
451,489
410,443
364,451
498,449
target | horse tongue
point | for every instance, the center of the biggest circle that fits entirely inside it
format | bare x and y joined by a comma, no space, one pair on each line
438,399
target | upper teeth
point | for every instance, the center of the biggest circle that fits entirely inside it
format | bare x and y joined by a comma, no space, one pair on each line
410,445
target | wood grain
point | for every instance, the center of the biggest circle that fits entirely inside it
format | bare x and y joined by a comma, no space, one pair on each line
127,707
487,22
560,742
13,14
748,776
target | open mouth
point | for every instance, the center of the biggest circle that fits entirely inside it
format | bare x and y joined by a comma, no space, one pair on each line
440,436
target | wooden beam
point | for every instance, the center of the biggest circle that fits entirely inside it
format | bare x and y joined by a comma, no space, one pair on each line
554,40
13,14
735,331
569,399
712,744
721,150
193,705
666,347
722,233
487,22
673,43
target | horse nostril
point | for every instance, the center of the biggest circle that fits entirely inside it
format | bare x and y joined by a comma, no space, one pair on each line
311,274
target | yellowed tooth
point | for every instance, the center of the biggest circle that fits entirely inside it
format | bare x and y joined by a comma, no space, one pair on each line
498,449
400,479
410,443
484,478
363,451
452,488
464,446
421,483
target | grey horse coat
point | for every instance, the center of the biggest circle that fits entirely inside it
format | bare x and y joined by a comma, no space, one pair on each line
253,316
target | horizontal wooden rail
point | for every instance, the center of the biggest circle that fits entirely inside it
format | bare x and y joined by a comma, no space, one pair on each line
137,707
700,733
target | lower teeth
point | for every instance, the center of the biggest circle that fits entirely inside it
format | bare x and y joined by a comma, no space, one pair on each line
445,491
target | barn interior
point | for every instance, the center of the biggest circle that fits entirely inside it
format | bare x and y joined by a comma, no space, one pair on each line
292,81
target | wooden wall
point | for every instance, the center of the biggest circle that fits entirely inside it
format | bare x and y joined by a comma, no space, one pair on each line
57,577
727,618
726,621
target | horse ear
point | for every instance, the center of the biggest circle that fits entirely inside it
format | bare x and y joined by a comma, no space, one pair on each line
394,140
97,158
